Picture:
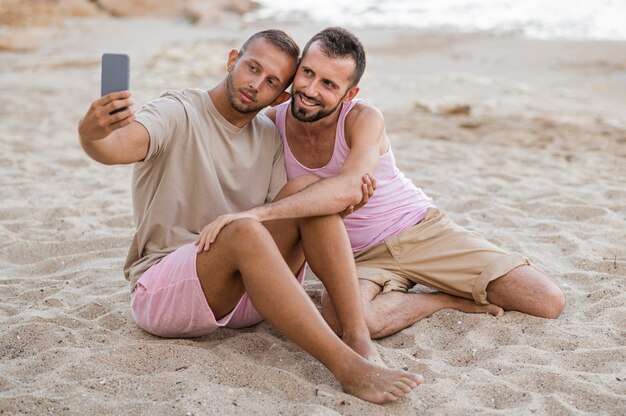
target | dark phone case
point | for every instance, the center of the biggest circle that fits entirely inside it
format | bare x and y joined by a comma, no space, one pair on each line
115,74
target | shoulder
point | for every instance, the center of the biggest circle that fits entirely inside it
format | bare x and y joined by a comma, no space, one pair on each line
168,103
188,98
183,99
263,121
263,127
271,114
364,114
277,111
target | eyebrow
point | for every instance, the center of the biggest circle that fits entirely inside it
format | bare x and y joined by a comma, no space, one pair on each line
323,79
257,63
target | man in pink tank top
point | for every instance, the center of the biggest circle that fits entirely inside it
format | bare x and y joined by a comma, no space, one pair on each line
399,238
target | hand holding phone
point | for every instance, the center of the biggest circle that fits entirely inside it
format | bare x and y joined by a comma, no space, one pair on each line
115,75
97,124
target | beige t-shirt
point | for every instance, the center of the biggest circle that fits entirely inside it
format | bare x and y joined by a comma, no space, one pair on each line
198,166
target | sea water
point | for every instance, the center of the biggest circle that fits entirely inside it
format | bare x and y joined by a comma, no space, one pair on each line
544,19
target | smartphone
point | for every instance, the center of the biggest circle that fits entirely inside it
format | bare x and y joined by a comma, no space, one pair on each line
115,75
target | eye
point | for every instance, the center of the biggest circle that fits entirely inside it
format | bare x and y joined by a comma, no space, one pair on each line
329,84
307,72
271,83
253,68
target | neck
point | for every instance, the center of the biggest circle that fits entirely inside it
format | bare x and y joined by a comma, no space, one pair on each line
219,96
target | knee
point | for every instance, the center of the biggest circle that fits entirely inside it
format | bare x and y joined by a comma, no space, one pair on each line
246,230
554,303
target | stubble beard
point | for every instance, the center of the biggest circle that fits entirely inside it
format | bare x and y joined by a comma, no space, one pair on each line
232,99
302,116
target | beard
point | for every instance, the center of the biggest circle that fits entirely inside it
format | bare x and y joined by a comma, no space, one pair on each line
238,105
301,115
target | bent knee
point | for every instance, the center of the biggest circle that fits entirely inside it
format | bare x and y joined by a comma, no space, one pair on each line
555,303
246,228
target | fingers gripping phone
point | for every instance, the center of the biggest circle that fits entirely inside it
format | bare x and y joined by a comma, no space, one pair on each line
115,75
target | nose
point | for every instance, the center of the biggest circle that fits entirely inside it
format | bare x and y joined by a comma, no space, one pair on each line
310,89
255,83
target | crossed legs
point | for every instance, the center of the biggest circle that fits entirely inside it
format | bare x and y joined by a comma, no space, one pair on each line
446,256
390,312
523,289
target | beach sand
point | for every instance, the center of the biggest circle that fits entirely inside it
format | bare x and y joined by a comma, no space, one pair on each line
521,140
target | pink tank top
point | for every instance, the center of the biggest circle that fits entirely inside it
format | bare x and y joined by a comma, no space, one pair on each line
396,205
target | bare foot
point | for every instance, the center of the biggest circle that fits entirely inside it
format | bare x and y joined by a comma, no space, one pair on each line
468,306
377,384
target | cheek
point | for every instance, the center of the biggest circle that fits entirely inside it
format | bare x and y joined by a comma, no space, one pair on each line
300,82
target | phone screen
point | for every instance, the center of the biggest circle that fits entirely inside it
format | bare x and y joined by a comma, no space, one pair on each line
115,74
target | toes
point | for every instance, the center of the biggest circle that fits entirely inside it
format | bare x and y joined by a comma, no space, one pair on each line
403,386
390,397
417,379
413,383
395,392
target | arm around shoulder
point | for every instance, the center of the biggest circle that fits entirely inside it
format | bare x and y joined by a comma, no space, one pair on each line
366,137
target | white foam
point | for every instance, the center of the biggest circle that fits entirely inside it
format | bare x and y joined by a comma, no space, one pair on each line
547,19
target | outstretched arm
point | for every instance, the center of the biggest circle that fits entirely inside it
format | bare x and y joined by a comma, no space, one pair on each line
113,138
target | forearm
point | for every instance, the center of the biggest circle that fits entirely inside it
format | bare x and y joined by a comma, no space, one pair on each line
102,150
122,146
108,136
325,197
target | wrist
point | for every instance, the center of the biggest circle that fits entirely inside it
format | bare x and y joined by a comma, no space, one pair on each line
261,213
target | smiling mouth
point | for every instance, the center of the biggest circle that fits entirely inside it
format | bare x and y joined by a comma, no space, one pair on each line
308,101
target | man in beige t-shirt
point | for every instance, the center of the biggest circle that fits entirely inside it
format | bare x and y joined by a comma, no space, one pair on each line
199,155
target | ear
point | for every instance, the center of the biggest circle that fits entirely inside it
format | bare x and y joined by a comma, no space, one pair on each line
352,92
233,55
284,96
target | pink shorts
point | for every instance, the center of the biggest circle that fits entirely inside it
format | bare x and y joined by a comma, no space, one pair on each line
168,300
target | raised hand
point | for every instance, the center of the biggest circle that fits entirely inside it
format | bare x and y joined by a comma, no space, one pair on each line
98,122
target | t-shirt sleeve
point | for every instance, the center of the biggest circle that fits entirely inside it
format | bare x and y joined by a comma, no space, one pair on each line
279,175
161,118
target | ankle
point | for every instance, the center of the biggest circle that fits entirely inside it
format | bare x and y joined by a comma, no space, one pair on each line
360,334
345,368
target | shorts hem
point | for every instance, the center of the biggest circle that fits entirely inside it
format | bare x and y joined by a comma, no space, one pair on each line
494,271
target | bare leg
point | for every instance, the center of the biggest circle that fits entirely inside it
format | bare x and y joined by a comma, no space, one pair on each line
326,246
388,313
339,278
244,257
526,289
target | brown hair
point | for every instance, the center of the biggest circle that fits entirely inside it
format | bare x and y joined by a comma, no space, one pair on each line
276,37
337,42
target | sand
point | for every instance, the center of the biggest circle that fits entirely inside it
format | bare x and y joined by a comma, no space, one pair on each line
521,140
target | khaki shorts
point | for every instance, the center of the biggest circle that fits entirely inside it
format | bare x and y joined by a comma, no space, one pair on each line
437,253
